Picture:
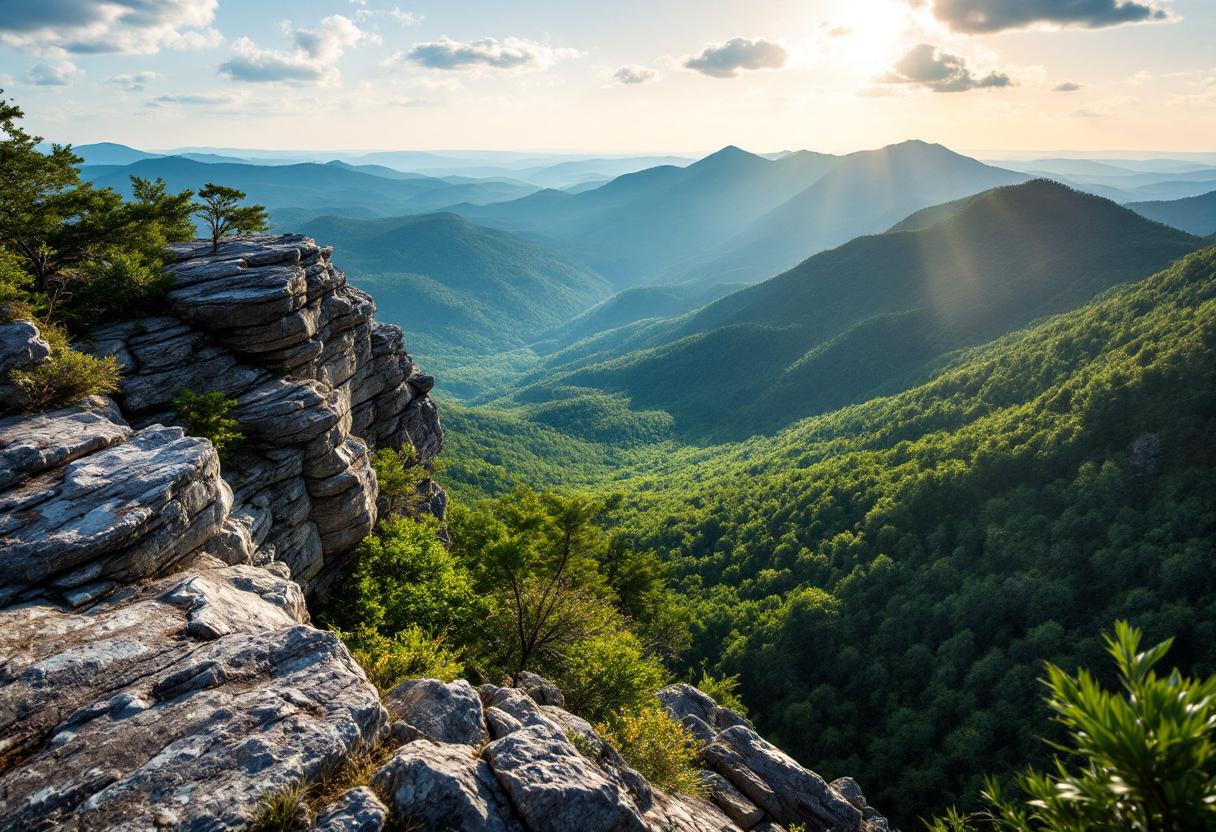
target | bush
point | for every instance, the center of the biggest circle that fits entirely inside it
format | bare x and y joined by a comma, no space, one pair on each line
1147,756
410,654
403,577
66,378
609,674
658,747
722,691
207,416
400,477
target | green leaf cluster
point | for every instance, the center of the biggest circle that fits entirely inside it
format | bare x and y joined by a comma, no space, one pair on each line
206,415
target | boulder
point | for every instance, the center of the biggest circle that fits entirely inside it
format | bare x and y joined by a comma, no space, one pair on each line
359,810
444,787
443,713
601,752
556,789
31,445
173,703
684,813
22,347
542,691
786,791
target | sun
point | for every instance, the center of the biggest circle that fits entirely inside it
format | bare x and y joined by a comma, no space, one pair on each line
867,33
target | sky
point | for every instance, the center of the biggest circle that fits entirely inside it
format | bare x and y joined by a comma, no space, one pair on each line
630,76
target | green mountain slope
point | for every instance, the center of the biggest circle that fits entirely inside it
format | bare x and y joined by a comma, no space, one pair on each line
1195,215
888,579
872,315
865,193
456,284
639,225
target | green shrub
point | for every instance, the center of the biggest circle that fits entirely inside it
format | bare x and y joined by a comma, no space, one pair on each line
65,379
283,810
409,654
722,691
609,674
1146,754
207,416
400,477
658,747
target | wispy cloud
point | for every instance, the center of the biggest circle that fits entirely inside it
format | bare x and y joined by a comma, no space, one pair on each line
634,74
311,61
86,27
210,100
133,83
1067,86
510,54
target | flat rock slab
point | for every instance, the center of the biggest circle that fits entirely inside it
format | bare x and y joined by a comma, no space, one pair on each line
772,780
444,787
135,714
443,713
556,789
30,445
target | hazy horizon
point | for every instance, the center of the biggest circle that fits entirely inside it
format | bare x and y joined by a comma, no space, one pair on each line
1122,76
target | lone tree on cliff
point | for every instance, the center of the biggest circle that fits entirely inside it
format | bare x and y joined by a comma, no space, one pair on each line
224,215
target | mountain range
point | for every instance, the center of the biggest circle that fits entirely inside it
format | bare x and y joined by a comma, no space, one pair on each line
1195,215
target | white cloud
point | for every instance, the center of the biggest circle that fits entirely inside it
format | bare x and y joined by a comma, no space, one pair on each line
58,27
724,60
975,17
924,66
209,100
634,74
55,74
311,61
511,54
134,83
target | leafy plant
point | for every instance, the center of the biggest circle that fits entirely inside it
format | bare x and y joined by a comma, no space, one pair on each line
408,654
223,214
722,690
400,478
207,416
607,674
284,810
65,378
658,747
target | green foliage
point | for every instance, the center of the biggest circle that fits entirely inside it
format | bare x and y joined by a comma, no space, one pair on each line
886,580
65,378
608,674
400,479
224,216
284,810
1146,756
723,690
207,416
403,577
658,747
87,255
409,654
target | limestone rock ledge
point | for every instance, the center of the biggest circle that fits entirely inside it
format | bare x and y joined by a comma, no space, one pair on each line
271,323
172,703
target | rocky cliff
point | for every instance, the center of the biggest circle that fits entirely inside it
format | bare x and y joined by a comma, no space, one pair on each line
157,665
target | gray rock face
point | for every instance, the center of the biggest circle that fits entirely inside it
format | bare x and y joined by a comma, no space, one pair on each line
777,784
121,514
443,713
172,703
542,691
30,445
271,323
730,800
443,787
359,810
556,789
21,348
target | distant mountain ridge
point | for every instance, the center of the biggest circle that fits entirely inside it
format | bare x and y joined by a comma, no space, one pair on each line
869,316
1195,215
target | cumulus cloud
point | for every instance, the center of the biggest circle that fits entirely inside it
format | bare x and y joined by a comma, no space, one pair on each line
724,60
404,18
634,74
975,17
310,61
55,74
58,27
135,82
509,54
1067,86
926,67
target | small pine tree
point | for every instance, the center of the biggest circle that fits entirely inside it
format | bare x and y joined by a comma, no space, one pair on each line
224,215
207,416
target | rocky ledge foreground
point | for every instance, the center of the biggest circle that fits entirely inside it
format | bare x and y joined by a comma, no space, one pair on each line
157,665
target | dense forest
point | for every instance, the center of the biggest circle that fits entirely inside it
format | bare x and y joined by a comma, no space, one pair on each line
887,580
